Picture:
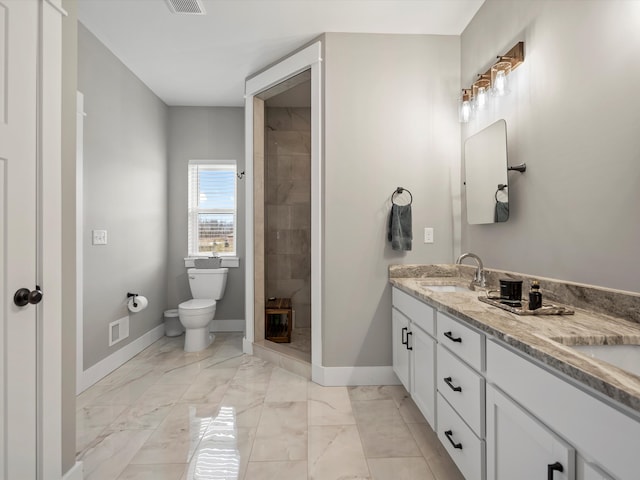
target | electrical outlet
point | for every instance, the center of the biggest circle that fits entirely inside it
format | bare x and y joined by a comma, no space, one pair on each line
428,234
99,237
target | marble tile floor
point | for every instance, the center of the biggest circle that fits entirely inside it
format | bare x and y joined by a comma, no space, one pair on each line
299,348
219,414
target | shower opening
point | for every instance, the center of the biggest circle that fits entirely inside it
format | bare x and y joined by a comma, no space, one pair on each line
282,199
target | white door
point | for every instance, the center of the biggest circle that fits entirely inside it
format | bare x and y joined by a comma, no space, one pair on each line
18,248
520,447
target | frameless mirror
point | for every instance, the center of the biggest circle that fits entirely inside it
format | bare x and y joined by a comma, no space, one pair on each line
485,168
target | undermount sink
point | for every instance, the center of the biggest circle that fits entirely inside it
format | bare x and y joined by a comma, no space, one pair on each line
447,288
626,357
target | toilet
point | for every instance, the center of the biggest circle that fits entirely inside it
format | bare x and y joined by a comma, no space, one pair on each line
207,285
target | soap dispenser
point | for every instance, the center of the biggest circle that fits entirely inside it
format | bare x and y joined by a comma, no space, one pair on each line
535,297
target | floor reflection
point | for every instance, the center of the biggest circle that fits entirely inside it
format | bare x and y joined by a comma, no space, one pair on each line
216,456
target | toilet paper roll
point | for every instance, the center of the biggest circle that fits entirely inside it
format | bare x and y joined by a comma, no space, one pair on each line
137,303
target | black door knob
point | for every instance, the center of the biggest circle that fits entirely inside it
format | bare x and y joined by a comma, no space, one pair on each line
24,296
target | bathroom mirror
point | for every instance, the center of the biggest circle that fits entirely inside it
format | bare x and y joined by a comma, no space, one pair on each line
485,169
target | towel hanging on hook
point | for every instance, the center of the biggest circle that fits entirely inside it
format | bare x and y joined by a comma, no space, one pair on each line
400,232
501,210
398,191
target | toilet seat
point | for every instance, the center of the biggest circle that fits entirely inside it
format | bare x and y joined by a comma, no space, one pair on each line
197,306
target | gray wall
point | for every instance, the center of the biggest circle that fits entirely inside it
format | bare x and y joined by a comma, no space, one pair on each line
390,120
573,118
203,133
69,89
125,193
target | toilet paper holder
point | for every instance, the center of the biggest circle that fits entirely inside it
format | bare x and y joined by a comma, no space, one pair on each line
134,295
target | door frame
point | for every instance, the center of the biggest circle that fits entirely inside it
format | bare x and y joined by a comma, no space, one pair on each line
49,316
308,58
79,214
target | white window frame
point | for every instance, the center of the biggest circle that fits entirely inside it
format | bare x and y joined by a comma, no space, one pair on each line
193,210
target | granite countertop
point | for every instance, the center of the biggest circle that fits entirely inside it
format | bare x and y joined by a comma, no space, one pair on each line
547,338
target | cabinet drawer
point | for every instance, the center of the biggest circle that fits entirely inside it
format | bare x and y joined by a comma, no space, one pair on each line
420,313
464,390
466,450
461,340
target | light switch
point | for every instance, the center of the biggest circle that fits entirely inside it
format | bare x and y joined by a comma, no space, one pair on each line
428,234
99,237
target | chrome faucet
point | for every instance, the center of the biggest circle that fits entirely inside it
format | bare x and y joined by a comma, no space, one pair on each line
479,278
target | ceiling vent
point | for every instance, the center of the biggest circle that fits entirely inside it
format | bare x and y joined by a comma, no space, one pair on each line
187,7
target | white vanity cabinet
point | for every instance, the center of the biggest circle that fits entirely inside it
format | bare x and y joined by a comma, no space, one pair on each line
605,436
500,413
414,349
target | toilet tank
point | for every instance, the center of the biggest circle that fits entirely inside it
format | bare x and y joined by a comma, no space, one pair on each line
207,282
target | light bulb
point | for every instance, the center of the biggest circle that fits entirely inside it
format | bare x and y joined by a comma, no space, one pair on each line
464,111
481,98
500,79
500,85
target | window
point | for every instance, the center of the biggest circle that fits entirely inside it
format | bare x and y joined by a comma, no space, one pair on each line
212,207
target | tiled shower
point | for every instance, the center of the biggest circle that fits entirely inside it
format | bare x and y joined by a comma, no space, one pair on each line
287,196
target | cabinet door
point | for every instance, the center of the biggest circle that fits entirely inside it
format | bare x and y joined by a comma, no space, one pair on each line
520,447
423,385
400,334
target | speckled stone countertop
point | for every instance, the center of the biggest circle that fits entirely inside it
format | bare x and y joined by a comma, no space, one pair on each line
545,338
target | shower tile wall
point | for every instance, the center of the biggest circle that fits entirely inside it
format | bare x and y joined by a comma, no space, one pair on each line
288,208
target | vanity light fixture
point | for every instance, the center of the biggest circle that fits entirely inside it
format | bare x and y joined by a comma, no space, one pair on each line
494,81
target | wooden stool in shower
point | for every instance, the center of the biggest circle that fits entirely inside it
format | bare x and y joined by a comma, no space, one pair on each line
278,320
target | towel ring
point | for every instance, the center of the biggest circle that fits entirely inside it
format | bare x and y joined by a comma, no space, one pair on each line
398,191
501,187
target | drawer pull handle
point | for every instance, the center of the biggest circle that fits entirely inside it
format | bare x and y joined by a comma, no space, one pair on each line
554,467
404,340
452,338
449,434
409,347
447,380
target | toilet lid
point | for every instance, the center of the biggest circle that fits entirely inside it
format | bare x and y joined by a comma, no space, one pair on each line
197,304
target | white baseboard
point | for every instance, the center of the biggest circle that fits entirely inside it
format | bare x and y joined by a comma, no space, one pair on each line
227,325
74,473
119,357
353,376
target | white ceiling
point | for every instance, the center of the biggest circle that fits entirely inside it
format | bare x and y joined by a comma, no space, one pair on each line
203,60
